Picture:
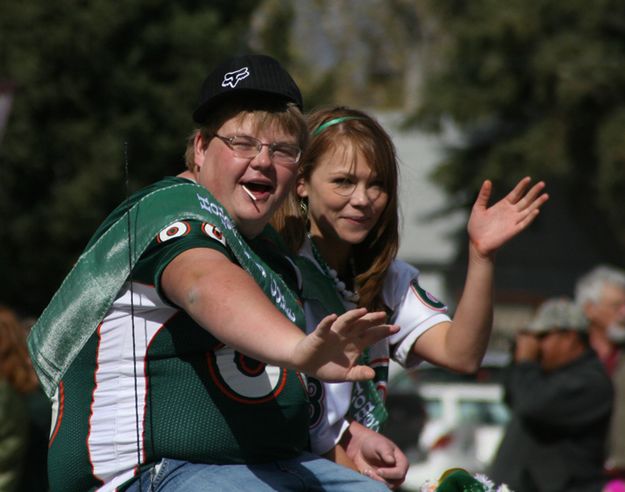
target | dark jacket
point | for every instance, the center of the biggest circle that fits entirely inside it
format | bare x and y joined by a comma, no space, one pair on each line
555,441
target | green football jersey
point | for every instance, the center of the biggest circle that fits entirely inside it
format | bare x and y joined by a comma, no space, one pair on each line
151,383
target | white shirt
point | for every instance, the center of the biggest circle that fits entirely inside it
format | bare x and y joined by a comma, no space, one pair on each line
413,309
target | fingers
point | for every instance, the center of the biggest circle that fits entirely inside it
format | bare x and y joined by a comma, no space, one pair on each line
517,192
535,197
398,465
532,199
526,219
379,475
537,201
372,474
534,191
387,456
369,326
325,325
357,319
353,316
484,195
401,462
375,316
390,473
360,373
373,334
518,195
392,477
532,210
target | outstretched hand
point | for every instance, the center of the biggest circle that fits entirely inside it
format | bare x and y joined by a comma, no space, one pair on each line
490,228
331,351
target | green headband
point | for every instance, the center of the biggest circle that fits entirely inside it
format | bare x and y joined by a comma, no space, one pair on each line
334,121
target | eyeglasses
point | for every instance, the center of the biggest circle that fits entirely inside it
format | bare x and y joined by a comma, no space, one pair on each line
248,147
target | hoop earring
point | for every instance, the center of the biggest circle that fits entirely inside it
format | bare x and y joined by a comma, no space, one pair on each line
303,207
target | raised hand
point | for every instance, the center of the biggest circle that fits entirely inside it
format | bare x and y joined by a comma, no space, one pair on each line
491,227
331,351
526,347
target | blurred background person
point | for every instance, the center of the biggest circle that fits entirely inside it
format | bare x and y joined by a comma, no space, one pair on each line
615,462
560,398
601,294
17,380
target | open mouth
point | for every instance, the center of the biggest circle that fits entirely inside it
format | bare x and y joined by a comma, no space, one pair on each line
257,190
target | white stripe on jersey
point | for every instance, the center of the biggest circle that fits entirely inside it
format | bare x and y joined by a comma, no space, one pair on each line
112,441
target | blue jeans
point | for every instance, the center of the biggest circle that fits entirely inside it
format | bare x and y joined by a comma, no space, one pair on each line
306,473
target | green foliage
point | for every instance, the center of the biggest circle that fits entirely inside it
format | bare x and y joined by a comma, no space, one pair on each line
97,83
535,88
274,19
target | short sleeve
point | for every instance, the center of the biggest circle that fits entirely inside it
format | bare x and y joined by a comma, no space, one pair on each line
414,309
173,240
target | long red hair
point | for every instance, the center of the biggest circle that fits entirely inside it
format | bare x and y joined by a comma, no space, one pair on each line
372,257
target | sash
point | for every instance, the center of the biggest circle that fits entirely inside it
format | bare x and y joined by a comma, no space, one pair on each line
366,405
88,291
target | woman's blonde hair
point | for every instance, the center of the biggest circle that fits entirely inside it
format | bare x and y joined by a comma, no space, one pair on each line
15,364
342,126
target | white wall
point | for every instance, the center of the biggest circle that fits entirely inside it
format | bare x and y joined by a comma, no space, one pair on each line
426,241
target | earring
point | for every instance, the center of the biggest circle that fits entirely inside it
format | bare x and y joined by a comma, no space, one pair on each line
303,207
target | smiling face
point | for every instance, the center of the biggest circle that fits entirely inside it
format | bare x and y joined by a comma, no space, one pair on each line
345,201
249,189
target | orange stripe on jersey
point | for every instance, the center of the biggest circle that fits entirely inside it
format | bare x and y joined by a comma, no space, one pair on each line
59,417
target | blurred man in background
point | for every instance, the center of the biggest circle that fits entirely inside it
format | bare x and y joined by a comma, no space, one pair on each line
601,294
561,399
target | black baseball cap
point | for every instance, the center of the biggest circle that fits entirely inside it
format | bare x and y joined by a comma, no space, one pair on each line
252,74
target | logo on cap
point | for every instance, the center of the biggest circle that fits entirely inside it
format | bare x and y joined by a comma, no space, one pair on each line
233,78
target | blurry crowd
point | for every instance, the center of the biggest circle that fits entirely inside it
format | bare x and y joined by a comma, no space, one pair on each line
566,392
